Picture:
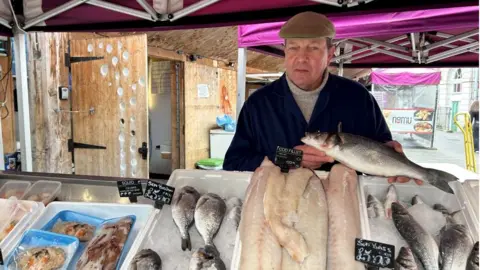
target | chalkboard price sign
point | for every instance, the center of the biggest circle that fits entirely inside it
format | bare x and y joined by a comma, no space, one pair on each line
287,158
1,257
159,192
374,253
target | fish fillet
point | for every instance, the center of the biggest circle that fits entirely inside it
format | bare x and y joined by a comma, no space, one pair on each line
260,248
313,224
280,205
344,219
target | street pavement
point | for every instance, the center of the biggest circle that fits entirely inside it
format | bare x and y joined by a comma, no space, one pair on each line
447,148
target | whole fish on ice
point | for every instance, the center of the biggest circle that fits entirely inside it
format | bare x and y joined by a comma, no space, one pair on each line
146,259
374,158
406,260
209,214
417,200
183,209
206,258
422,243
472,263
389,199
455,247
374,207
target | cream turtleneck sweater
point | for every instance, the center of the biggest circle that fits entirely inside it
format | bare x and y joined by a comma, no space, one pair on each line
306,100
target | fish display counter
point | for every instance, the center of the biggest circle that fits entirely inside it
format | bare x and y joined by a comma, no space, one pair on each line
267,219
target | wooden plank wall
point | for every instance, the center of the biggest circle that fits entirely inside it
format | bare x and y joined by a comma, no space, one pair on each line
50,129
201,113
7,112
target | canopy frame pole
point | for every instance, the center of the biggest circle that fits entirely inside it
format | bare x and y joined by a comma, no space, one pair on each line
452,52
374,52
451,39
22,95
366,48
120,9
190,9
394,54
5,22
54,12
336,4
445,35
383,44
148,8
241,78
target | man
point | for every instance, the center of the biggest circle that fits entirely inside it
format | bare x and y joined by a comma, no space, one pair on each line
305,99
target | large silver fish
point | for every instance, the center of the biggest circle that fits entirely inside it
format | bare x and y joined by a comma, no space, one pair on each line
374,158
146,259
209,214
455,247
422,244
206,258
183,210
472,263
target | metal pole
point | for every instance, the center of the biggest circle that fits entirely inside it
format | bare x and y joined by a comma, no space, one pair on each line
394,54
241,78
340,69
22,95
148,9
383,44
120,9
445,35
5,23
364,49
452,52
54,12
451,39
191,9
434,123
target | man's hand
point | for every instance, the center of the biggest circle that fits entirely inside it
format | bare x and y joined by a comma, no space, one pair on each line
312,157
398,147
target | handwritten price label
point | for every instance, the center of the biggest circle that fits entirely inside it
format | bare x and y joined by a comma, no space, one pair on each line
374,253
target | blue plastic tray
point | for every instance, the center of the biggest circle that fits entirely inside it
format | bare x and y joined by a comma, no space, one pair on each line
72,216
38,238
124,251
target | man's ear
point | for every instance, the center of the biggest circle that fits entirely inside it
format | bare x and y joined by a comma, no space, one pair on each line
331,53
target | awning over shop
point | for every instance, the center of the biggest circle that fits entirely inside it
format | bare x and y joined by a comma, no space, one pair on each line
393,76
156,15
443,37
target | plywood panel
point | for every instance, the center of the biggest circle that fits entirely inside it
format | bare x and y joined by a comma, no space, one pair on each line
7,110
201,112
50,128
111,125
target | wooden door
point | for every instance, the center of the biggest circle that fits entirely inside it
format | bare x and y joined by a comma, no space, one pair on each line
115,89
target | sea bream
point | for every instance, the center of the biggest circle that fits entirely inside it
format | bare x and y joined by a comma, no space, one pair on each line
209,214
146,259
374,158
421,242
183,210
206,258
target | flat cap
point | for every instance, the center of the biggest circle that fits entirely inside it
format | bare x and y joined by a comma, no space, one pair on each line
308,25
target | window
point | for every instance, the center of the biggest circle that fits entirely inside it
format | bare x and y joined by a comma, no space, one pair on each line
457,87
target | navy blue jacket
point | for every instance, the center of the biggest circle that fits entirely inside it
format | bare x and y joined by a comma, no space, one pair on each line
270,117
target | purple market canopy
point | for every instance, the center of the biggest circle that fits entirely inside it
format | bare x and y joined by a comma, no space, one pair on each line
417,76
156,15
434,37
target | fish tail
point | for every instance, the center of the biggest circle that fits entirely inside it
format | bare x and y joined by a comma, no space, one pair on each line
440,179
186,243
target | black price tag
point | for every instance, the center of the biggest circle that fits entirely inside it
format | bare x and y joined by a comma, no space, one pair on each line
374,253
130,188
1,257
287,158
159,192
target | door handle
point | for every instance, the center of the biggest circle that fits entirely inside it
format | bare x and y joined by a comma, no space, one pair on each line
143,150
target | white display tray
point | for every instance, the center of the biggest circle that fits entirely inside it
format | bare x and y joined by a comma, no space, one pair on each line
144,213
164,237
24,224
